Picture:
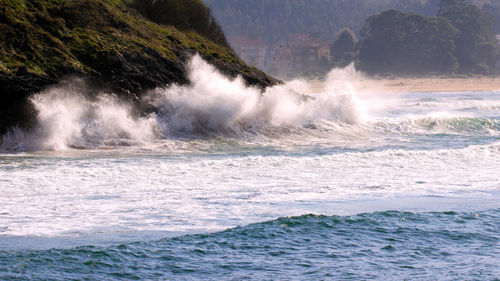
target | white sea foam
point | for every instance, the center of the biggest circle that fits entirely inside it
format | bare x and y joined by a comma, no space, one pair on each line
215,103
89,195
211,104
272,155
66,118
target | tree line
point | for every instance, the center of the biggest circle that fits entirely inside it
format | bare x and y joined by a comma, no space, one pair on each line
276,19
398,36
459,39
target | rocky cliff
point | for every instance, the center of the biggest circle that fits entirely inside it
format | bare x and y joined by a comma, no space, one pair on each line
112,44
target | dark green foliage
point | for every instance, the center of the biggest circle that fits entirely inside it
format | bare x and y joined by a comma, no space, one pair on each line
60,36
493,9
473,49
405,43
476,44
460,39
107,42
276,19
343,47
184,15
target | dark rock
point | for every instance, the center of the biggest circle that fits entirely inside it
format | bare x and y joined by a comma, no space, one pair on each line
15,110
108,45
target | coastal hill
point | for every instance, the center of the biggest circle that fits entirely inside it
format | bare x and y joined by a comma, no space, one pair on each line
274,20
124,46
389,37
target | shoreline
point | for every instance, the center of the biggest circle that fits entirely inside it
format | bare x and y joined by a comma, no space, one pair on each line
420,84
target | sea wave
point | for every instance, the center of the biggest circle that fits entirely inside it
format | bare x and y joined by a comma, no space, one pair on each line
212,104
216,106
440,125
382,245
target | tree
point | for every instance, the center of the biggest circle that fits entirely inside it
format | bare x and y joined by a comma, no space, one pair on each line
184,15
405,43
276,19
343,47
493,9
476,44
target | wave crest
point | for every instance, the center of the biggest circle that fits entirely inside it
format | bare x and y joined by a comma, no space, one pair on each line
212,104
67,118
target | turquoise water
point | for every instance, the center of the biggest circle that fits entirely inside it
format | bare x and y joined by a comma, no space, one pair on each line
389,245
235,185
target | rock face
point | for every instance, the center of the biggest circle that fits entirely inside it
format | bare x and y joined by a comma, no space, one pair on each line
15,90
108,43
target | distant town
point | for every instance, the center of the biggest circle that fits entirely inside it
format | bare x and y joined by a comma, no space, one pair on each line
302,53
390,37
298,54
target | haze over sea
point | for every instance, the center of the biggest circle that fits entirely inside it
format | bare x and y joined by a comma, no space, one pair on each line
222,182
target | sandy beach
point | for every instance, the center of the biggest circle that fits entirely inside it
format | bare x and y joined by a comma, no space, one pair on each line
424,84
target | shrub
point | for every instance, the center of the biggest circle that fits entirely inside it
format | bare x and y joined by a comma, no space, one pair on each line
184,15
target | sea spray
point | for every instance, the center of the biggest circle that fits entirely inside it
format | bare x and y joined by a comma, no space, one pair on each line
66,118
212,104
417,197
343,111
215,103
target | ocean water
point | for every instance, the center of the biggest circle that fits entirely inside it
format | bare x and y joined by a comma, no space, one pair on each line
225,183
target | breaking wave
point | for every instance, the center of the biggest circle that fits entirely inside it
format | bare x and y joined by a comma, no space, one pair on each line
426,244
441,125
214,105
68,119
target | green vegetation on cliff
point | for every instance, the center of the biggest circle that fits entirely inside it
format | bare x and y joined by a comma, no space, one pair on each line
184,15
57,36
121,45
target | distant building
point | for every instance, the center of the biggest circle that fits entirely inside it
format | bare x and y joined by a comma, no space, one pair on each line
297,53
307,51
280,61
252,49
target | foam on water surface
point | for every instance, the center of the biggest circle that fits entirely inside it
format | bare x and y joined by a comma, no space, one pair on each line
212,105
217,154
387,245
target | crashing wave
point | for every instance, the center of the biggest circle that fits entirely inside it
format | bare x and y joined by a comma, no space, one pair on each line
212,104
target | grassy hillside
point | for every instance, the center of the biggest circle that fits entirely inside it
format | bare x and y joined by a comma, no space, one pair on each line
50,37
117,44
